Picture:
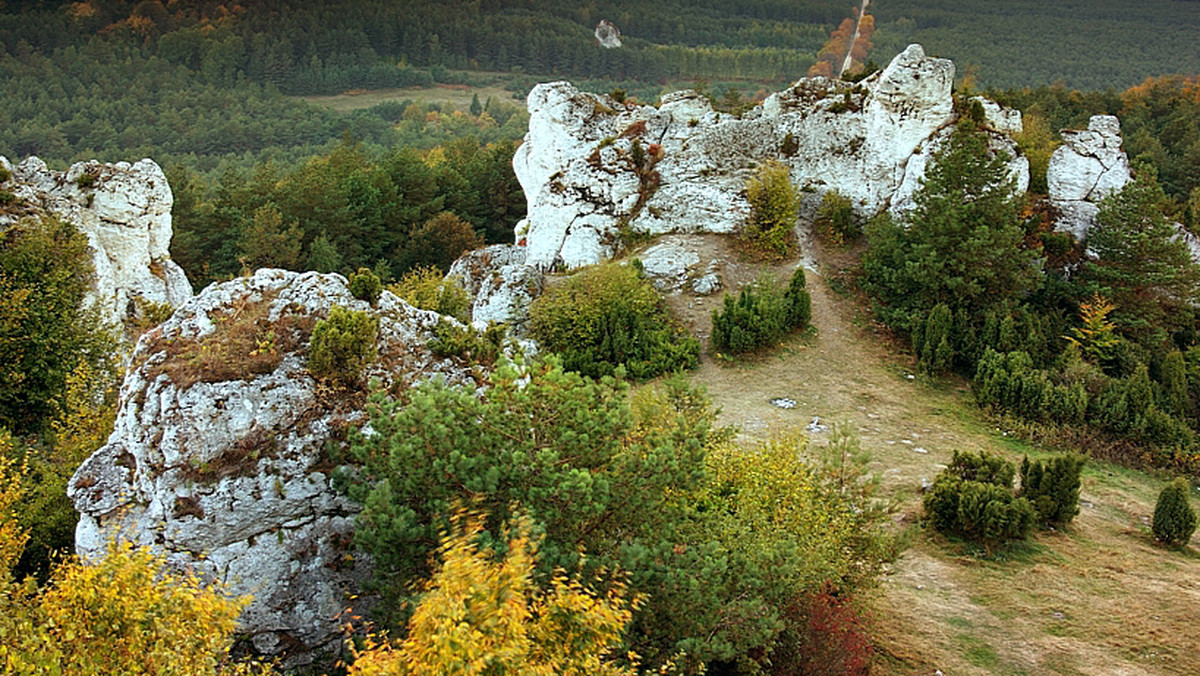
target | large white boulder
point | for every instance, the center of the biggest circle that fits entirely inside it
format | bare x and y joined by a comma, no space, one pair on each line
125,211
222,463
588,188
1086,168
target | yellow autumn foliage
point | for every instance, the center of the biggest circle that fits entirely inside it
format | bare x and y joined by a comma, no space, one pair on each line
481,616
126,614
12,537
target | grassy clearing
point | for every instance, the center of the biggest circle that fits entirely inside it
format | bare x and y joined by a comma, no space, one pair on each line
457,95
1099,598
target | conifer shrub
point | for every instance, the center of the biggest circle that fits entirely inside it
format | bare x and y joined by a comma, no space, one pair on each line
1174,519
366,285
761,314
1009,382
931,339
1052,487
464,342
426,288
799,301
973,499
342,346
608,316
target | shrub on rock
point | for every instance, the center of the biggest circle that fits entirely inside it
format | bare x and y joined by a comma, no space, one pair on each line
366,285
342,345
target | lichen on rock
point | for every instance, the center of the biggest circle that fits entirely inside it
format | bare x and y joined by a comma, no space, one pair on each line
125,211
221,453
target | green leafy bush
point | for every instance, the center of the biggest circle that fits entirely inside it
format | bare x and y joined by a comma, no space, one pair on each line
773,210
835,222
46,329
1174,519
1052,487
426,288
973,499
607,316
342,346
366,285
761,314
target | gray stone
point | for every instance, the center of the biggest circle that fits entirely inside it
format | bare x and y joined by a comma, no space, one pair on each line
125,213
230,478
870,141
1089,166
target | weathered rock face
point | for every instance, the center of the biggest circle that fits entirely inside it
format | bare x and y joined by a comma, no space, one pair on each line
219,458
871,141
501,286
1086,168
125,211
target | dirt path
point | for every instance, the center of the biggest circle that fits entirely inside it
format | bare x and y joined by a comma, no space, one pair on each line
1101,599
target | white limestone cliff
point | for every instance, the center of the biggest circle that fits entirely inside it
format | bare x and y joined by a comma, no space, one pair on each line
869,141
229,474
125,211
1086,168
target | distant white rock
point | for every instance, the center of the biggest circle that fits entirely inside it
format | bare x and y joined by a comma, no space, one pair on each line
870,141
1089,166
608,35
125,211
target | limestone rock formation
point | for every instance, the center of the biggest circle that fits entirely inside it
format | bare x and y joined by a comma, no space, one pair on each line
595,169
220,454
125,211
1086,168
501,286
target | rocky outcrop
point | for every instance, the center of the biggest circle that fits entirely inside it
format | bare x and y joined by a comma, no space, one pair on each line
220,456
595,170
125,211
1086,168
499,283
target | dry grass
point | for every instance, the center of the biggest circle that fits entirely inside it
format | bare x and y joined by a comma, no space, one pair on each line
459,97
245,344
1100,598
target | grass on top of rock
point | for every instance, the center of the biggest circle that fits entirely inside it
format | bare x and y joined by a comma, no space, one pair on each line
608,316
245,343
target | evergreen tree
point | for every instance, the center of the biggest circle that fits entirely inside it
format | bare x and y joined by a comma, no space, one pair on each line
1140,265
962,245
1174,519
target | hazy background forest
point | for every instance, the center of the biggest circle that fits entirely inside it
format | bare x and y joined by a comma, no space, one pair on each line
212,91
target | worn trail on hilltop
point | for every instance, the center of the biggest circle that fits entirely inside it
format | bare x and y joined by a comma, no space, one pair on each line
1099,599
